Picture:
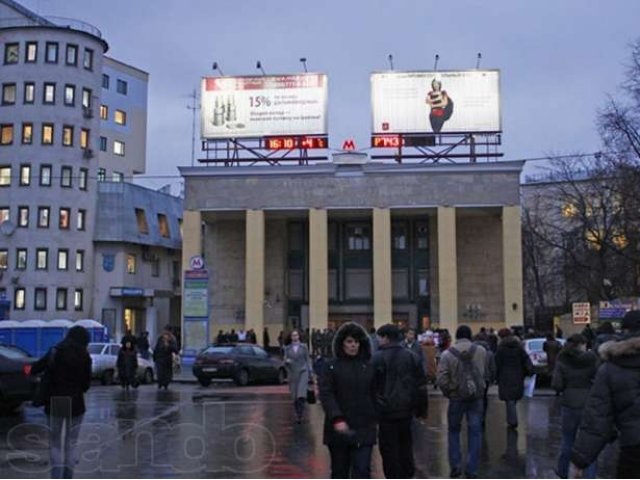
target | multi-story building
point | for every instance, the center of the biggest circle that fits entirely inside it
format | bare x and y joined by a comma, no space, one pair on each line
70,119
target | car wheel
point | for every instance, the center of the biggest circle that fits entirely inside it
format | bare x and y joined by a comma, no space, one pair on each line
148,376
282,376
204,381
242,378
107,377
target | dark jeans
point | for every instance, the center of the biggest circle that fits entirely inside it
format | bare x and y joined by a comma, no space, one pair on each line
396,448
473,411
570,422
298,405
629,462
512,413
350,462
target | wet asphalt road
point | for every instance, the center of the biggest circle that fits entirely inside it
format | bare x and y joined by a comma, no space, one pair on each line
224,431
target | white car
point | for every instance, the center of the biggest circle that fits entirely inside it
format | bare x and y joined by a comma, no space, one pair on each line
533,347
104,358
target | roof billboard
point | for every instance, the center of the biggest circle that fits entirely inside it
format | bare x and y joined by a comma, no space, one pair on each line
436,102
257,106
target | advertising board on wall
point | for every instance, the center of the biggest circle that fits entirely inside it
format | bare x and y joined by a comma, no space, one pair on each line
436,102
258,106
581,313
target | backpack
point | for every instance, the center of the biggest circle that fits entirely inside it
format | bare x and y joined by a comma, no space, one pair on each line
469,380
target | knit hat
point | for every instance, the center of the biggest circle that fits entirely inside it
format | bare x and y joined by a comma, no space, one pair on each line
631,321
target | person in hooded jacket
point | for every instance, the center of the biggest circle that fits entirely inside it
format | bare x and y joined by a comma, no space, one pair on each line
614,404
347,397
512,365
68,366
573,376
127,364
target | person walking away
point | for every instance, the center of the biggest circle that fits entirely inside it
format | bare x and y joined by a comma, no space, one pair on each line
163,354
483,341
573,377
127,365
142,344
614,404
552,348
512,365
266,339
68,365
400,394
347,397
299,370
604,333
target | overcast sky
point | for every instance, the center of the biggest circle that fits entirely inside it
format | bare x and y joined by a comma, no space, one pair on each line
559,59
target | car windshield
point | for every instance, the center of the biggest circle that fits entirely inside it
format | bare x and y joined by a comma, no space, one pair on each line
535,345
12,352
219,350
95,348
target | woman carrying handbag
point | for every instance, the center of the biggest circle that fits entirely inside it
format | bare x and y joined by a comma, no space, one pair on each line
299,373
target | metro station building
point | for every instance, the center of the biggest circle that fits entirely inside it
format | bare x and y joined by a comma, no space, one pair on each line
424,245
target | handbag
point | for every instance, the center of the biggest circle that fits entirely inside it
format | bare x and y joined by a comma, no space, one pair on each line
311,396
43,387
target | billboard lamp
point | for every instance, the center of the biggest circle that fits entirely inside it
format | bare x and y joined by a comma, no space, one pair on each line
303,60
216,67
390,58
435,63
259,67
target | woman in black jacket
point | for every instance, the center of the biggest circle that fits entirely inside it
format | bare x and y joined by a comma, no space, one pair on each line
573,377
68,370
512,365
166,348
347,395
127,364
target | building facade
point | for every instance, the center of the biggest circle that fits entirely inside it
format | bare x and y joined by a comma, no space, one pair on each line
421,245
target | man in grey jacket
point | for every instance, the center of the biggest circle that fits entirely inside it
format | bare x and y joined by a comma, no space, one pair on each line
464,362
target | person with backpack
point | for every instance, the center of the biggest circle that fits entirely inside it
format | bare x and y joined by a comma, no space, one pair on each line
462,374
67,368
512,365
400,394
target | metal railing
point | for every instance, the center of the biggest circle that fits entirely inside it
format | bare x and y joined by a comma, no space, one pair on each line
55,22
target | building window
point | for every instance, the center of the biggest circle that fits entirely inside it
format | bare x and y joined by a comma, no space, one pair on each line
63,259
399,237
25,175
87,61
81,219
65,177
131,264
121,87
49,94
118,148
42,258
5,176
141,219
104,112
120,117
45,175
31,52
67,136
86,98
78,299
117,177
27,133
69,95
6,134
61,299
11,53
79,260
103,144
19,298
23,217
29,92
163,226
4,259
82,179
358,238
84,138
64,218
21,259
4,215
105,81
47,134
8,93
51,54
155,267
40,299
43,217
72,55
102,174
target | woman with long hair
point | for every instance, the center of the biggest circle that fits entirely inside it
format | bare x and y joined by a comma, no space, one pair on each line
299,372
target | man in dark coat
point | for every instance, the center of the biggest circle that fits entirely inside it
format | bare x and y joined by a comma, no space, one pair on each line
129,337
401,394
68,367
614,403
127,364
411,343
347,396
512,365
142,344
552,348
166,348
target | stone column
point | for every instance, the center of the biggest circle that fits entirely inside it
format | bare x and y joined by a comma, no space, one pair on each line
512,265
254,272
447,268
382,292
318,269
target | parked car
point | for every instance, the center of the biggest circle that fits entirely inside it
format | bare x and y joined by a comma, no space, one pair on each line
104,358
533,347
17,385
242,363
